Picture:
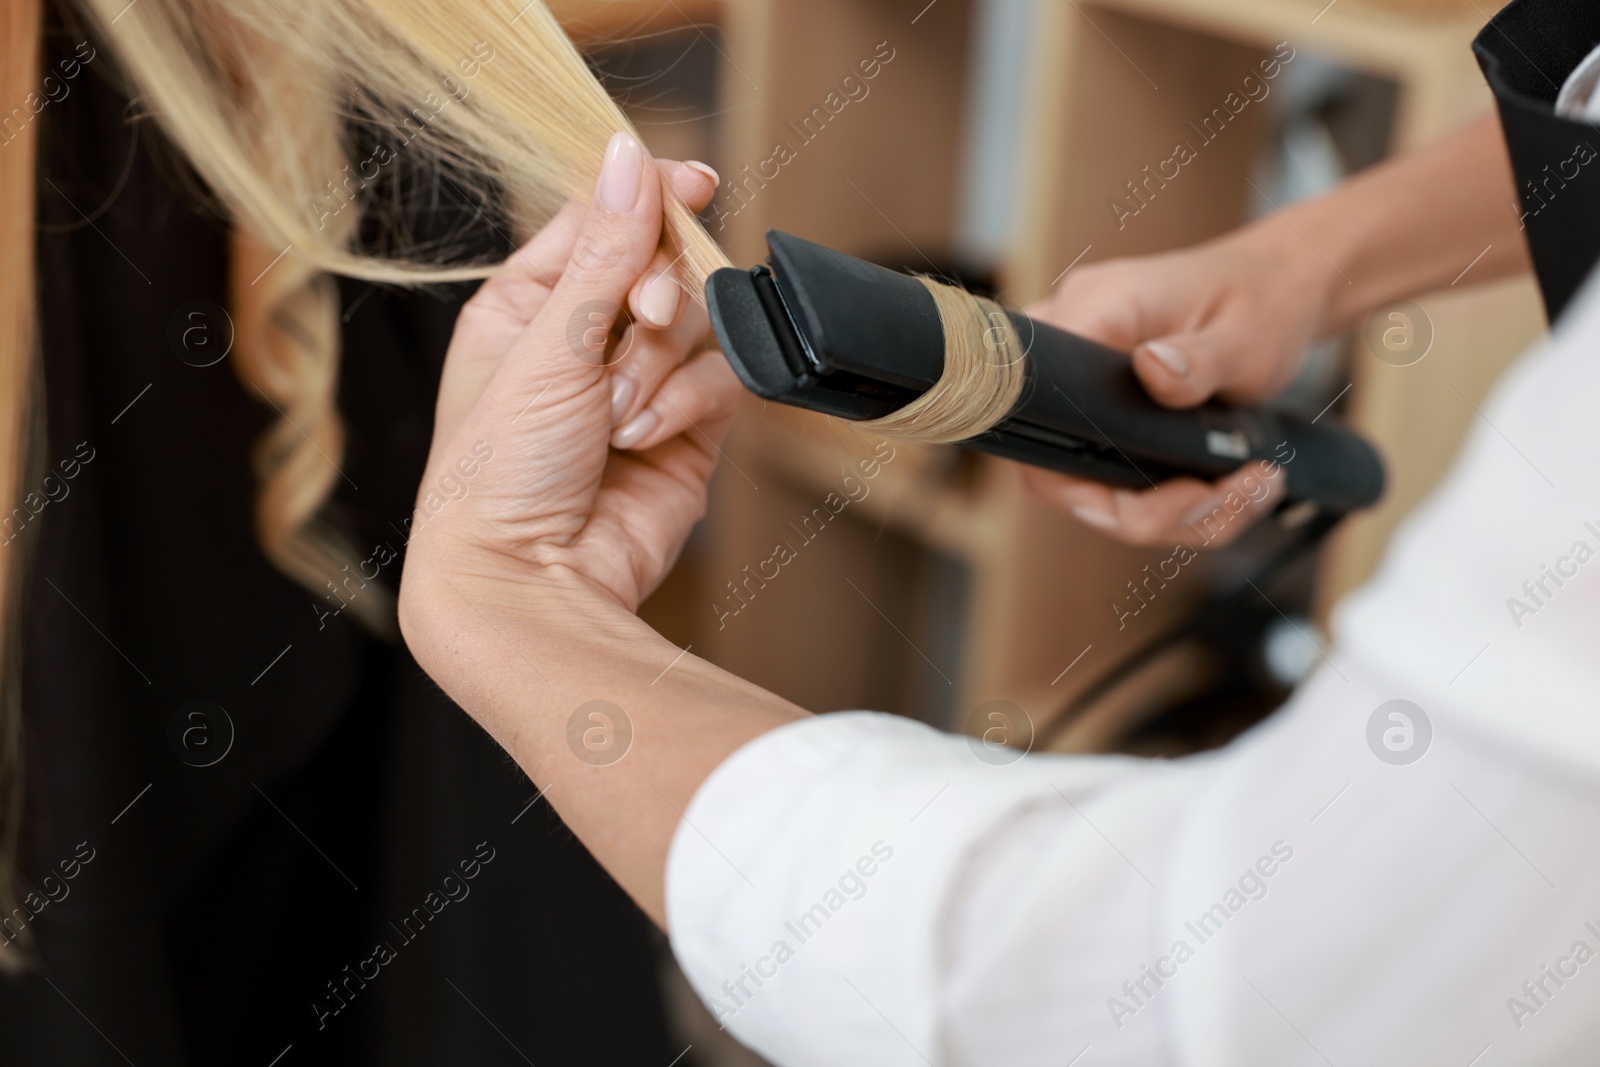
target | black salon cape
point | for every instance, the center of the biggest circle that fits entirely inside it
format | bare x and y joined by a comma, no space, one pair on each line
1526,53
221,900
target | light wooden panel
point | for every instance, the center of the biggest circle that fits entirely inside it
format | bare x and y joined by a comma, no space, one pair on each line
1114,86
1129,92
881,176
1090,122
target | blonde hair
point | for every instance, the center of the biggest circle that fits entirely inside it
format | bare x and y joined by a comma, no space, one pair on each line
19,30
983,373
260,96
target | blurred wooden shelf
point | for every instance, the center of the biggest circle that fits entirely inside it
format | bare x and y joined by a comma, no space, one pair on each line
588,21
913,494
1092,85
948,585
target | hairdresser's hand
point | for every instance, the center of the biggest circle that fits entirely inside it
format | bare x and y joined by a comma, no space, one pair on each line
1230,318
589,479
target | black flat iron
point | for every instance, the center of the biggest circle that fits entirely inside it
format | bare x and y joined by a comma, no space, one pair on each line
821,330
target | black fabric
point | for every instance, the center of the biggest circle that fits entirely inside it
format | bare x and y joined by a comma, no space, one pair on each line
221,901
1526,52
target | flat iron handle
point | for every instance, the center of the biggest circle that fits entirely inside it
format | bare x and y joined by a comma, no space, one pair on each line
1083,390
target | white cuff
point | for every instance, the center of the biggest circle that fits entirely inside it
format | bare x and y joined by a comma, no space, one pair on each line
807,884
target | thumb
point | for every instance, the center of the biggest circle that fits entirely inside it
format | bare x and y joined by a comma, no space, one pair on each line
1181,370
615,243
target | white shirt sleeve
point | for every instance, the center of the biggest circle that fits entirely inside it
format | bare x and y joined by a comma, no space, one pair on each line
859,889
809,882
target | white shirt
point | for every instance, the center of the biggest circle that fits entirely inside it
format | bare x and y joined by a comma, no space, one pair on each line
860,889
1579,97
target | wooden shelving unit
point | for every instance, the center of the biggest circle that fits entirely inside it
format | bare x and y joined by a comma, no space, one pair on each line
1127,76
946,585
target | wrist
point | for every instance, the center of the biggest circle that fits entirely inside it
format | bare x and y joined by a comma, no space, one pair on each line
1304,262
450,586
1409,225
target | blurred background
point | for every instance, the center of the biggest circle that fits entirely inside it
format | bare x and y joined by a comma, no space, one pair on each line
1004,143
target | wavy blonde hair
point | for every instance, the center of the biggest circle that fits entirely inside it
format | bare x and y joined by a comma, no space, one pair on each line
260,94
261,97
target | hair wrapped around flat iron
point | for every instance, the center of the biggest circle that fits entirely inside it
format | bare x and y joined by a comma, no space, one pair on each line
983,373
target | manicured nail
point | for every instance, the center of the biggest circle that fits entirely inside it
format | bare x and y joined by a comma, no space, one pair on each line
643,425
623,390
658,300
1170,357
695,164
621,174
1095,517
1203,511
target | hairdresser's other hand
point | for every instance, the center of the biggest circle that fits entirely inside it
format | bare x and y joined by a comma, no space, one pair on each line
1230,318
528,403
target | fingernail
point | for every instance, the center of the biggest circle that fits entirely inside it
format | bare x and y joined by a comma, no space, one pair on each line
621,174
1202,511
1095,517
695,164
642,426
623,389
658,300
1170,357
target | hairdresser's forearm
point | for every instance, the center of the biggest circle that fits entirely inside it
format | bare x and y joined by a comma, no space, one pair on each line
521,654
1411,225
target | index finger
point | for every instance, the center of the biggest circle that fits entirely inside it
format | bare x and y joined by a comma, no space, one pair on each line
615,241
544,257
1182,510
